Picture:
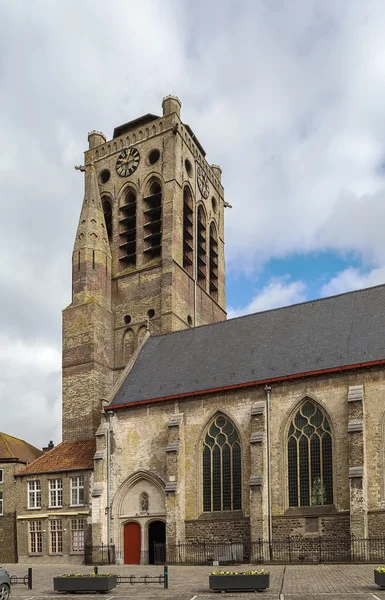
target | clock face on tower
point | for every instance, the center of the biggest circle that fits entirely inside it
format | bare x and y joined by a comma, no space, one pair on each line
127,162
203,182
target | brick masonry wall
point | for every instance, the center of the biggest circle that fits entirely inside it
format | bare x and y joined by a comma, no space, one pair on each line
301,526
376,524
236,529
8,538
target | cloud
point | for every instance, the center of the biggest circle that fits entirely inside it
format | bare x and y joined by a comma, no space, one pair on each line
353,279
280,291
30,390
287,96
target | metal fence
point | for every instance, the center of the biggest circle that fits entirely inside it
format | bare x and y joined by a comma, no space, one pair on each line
99,555
291,550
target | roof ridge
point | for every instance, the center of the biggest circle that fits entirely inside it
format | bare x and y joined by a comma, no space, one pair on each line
269,310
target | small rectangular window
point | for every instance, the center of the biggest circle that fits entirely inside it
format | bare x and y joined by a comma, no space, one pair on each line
77,535
55,493
34,494
1,504
35,537
56,536
1,476
77,491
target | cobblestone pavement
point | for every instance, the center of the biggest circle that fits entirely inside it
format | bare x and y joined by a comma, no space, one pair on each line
291,582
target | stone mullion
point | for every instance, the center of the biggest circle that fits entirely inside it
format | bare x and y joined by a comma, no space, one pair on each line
357,468
174,491
258,473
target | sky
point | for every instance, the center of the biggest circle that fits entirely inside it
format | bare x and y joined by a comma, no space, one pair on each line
286,95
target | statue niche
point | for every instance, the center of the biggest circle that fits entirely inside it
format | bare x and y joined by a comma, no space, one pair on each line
144,502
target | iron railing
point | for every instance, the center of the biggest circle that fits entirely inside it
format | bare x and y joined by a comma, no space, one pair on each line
99,555
291,550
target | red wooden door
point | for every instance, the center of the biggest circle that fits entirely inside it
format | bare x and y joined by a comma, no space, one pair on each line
132,544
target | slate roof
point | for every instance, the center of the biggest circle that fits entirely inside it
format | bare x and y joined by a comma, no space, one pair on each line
342,330
67,456
12,448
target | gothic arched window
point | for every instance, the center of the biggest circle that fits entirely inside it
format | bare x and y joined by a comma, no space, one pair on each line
221,467
309,450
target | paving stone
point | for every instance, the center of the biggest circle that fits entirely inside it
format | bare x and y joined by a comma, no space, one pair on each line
291,582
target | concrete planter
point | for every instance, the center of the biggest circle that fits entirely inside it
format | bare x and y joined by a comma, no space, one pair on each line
379,579
84,584
240,583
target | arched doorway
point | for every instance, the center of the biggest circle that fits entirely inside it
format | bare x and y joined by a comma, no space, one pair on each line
132,544
156,535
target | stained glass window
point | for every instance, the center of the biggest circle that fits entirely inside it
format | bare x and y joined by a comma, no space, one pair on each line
309,448
221,467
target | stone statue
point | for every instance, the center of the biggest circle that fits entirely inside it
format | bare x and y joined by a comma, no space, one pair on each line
144,502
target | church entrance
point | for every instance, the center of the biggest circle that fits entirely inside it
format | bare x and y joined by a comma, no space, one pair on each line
156,535
132,544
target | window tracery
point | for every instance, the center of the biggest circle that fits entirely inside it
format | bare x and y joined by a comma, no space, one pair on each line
221,467
309,446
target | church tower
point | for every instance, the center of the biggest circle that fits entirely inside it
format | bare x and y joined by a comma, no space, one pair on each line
88,321
149,251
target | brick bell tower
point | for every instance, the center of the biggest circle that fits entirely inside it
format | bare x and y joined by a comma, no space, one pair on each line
148,255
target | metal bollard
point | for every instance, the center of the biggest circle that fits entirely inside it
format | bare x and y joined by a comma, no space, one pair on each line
30,578
165,576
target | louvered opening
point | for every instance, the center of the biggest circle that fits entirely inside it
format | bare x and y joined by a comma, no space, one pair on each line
107,210
201,258
152,229
188,229
213,262
127,231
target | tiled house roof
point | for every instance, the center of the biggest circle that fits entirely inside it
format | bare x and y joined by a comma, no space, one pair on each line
67,456
16,449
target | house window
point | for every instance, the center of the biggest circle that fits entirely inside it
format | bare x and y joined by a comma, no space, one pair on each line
77,491
56,536
221,467
34,494
55,492
1,476
309,449
35,537
77,535
1,504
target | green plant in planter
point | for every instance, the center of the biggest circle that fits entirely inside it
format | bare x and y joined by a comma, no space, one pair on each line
379,576
85,582
260,572
86,575
257,579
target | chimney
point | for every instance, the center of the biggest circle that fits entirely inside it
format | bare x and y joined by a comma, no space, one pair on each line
50,446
